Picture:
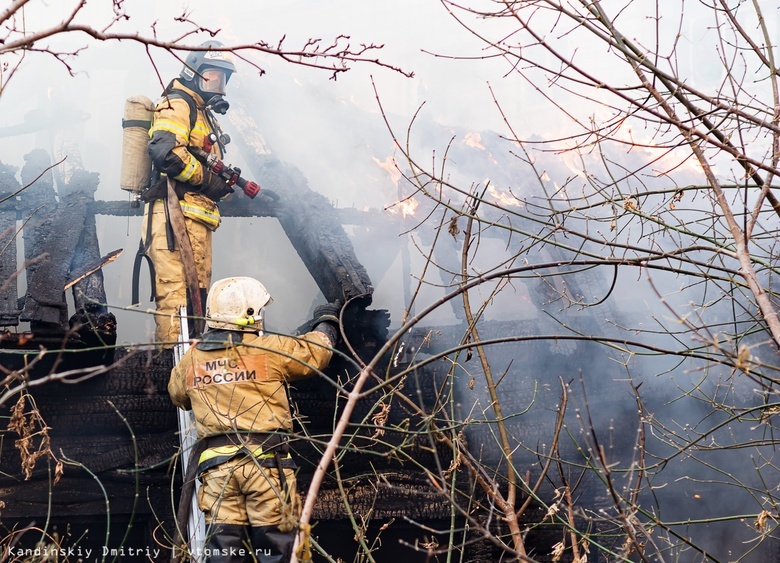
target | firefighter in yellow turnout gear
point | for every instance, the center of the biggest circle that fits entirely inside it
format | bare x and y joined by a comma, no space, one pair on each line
234,380
184,117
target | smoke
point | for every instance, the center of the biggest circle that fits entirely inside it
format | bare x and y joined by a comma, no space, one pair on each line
335,132
330,129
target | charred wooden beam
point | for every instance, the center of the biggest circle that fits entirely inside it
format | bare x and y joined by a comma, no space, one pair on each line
240,206
308,218
92,321
63,238
44,302
45,298
9,297
81,190
315,231
391,494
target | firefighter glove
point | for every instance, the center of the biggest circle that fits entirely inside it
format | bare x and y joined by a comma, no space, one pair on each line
326,321
327,313
214,187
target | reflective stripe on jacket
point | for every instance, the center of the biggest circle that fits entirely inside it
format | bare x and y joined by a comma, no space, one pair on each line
170,135
209,216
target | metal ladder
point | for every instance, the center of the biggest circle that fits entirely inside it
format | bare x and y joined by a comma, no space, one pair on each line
196,525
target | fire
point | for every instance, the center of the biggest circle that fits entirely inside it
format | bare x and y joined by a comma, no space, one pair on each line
651,147
390,166
405,206
502,198
474,140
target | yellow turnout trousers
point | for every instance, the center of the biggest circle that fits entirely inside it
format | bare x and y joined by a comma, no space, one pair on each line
170,285
241,491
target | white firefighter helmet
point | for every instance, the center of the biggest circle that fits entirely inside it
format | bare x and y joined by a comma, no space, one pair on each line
237,304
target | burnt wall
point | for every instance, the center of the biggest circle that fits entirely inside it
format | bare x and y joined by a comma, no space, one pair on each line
112,437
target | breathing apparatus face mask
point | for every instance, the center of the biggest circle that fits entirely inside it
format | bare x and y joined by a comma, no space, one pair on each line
211,83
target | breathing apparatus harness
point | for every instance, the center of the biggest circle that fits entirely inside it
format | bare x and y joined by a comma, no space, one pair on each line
152,192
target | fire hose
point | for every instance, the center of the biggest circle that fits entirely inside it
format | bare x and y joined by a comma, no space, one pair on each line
231,175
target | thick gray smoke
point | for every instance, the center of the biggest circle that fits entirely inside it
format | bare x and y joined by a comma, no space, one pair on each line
336,134
330,129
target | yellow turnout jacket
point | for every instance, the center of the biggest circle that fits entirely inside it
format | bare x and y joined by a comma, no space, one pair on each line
242,388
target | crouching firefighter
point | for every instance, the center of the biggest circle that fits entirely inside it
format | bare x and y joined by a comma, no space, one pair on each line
181,201
234,380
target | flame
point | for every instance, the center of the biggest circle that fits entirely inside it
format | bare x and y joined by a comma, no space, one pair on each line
406,207
390,166
502,198
626,137
473,140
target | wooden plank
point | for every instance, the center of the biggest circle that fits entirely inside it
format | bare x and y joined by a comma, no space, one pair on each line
81,188
9,308
38,205
90,268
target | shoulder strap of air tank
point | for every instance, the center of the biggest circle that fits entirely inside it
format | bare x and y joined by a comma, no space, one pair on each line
172,92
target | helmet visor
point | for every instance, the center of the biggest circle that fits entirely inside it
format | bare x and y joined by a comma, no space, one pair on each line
213,80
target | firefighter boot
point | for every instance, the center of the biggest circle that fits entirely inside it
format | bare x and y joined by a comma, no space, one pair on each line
271,545
228,543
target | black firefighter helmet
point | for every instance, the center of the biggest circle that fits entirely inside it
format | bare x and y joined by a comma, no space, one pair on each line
208,72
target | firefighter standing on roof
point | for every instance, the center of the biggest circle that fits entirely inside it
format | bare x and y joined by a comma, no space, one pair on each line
234,380
184,117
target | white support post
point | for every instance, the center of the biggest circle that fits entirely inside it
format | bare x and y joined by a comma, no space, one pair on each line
196,525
